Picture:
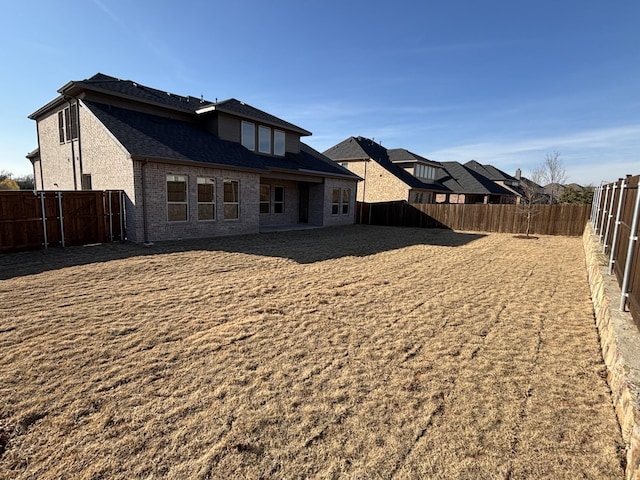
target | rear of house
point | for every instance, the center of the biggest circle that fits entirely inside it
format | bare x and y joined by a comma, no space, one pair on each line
189,167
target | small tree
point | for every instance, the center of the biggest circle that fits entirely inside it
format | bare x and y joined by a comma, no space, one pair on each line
553,175
532,195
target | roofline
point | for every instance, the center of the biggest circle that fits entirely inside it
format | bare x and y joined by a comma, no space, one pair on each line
220,108
74,88
149,158
56,102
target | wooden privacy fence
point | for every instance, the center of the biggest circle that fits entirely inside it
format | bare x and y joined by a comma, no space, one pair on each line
615,217
31,220
508,218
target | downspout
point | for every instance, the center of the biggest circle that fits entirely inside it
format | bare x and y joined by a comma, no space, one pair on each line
145,227
35,186
79,140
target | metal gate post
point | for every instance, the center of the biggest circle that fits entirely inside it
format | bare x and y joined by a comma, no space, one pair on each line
61,218
633,237
122,213
44,220
110,220
604,212
615,228
596,210
609,217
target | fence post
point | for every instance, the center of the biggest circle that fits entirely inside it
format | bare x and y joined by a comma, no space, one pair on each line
61,218
604,212
110,219
44,220
633,237
596,208
609,217
122,213
615,228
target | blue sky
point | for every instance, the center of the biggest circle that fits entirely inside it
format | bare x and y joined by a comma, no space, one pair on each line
501,82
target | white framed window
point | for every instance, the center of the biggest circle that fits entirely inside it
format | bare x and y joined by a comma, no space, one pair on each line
231,199
206,198
248,135
264,139
346,200
278,199
278,142
177,206
265,198
335,201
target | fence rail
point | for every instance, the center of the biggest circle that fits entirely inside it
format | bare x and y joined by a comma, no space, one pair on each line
567,220
32,220
615,216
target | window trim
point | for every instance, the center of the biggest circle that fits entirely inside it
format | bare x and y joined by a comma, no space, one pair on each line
263,129
206,181
346,191
335,205
225,202
248,141
178,179
278,133
266,202
280,202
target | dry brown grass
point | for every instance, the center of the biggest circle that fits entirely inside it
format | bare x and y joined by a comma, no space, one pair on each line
361,352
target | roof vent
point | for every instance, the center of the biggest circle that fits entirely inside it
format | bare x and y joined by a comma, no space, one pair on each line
201,98
134,84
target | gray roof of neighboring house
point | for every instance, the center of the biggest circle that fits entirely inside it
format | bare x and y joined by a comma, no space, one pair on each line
460,179
145,135
489,171
361,148
401,155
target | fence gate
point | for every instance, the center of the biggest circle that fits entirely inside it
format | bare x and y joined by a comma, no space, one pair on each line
32,220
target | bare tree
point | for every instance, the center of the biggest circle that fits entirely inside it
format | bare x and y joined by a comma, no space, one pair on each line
532,195
553,175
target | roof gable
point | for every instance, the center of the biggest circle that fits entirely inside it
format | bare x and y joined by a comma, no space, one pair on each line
361,148
241,109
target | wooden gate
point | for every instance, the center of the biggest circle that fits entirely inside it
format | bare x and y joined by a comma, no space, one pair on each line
32,220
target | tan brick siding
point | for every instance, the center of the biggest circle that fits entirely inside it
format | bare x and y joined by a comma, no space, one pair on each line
57,160
330,219
378,185
159,228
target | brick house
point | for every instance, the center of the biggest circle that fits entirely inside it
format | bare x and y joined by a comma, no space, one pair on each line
388,174
189,167
475,183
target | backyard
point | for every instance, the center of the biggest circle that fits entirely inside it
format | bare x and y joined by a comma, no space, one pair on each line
355,352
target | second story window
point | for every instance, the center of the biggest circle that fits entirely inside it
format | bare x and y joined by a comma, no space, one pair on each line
264,139
278,142
68,123
248,135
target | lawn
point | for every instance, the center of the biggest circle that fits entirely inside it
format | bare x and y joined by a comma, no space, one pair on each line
357,352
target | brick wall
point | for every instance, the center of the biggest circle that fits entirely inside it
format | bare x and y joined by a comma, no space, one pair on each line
329,219
291,204
155,181
379,185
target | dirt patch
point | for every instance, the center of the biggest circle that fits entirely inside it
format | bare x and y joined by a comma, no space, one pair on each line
351,352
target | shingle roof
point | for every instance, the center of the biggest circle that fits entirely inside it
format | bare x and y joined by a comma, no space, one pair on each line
361,148
154,136
236,107
489,171
400,155
141,92
461,179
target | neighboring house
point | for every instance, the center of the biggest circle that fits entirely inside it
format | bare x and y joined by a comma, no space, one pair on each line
189,167
498,176
388,174
467,185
